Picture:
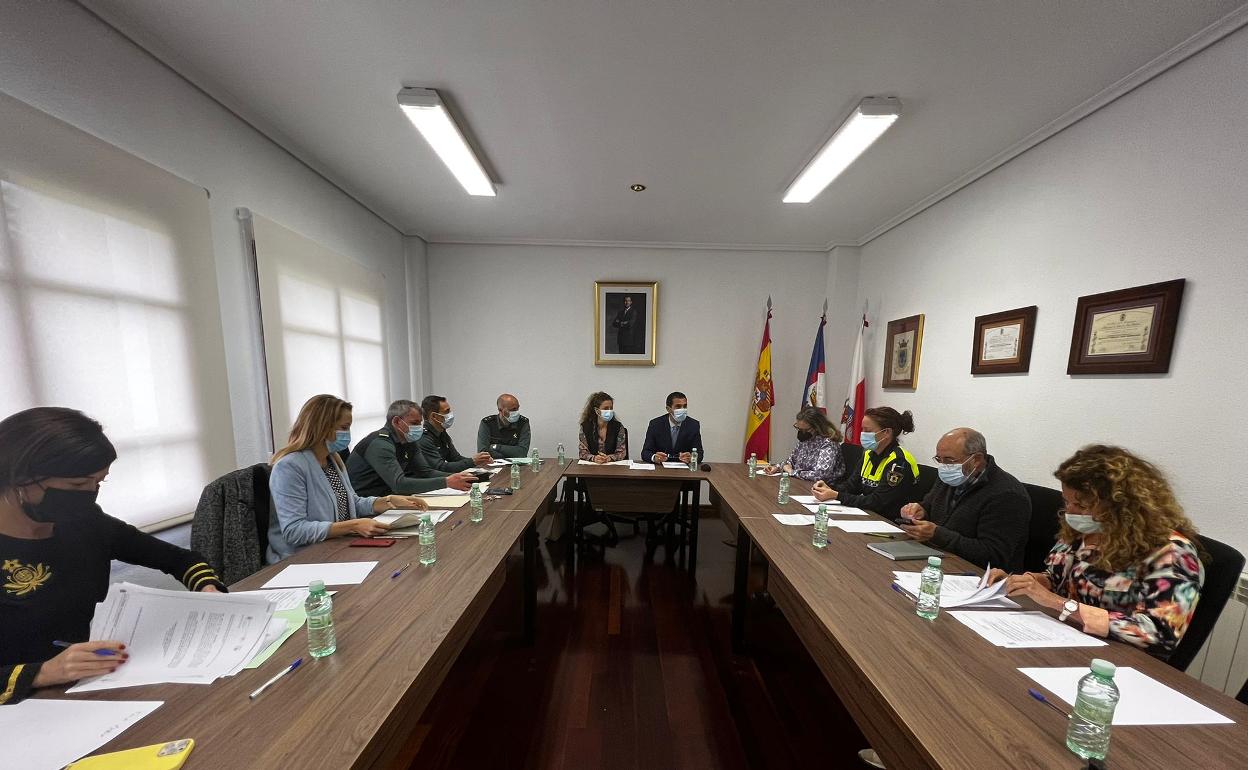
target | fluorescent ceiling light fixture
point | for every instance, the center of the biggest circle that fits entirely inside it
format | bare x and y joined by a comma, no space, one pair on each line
424,107
869,120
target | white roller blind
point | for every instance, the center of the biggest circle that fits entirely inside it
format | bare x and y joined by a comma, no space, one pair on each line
109,305
323,328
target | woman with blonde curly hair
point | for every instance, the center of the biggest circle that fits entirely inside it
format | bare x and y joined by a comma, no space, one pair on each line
1127,561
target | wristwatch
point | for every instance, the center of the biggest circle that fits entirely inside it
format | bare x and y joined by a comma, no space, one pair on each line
1070,607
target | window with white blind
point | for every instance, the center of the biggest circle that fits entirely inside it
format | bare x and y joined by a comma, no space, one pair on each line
108,304
323,328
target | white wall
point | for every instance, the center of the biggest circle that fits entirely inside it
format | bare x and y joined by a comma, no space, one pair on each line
1151,188
57,57
711,311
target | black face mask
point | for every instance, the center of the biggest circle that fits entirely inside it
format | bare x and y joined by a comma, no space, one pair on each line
804,435
61,505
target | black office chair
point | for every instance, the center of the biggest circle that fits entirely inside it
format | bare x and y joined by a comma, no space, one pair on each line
927,480
1042,531
1222,571
852,454
1243,694
261,501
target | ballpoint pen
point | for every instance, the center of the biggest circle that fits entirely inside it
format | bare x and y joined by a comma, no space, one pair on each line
101,653
1040,697
298,662
399,571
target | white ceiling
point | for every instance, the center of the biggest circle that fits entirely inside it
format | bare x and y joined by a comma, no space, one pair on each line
713,104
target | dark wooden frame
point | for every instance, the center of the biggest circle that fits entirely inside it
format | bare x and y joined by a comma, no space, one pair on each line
1026,318
1165,297
900,326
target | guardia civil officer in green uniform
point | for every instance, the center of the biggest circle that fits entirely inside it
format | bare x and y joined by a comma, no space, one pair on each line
389,461
888,477
505,434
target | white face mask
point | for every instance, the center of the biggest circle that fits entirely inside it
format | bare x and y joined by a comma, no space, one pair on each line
1083,523
607,415
448,420
679,415
513,417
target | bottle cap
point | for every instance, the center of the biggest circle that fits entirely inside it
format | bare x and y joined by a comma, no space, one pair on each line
933,561
316,586
1103,668
424,518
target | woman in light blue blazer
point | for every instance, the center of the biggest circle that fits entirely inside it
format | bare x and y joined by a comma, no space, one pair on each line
312,496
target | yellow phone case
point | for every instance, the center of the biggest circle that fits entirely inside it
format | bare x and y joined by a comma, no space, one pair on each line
158,756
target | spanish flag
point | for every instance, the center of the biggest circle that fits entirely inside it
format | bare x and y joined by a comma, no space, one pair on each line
758,420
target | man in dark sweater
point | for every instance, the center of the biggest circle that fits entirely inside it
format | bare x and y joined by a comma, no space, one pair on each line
389,461
436,445
976,510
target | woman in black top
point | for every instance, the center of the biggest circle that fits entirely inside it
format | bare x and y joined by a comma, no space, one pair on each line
603,438
56,546
888,476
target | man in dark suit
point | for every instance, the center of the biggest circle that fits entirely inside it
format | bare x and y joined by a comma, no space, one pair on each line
629,328
674,435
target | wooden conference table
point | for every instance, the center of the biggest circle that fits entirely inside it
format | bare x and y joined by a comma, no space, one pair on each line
926,694
935,694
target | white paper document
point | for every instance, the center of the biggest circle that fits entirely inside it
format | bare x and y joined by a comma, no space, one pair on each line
882,527
794,519
437,517
500,462
959,591
676,465
341,573
625,463
835,510
177,636
1145,701
282,598
42,734
812,500
1025,629
640,466
443,492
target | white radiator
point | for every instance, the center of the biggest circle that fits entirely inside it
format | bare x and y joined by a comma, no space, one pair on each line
1223,661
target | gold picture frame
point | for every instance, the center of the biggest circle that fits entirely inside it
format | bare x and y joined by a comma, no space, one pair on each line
626,323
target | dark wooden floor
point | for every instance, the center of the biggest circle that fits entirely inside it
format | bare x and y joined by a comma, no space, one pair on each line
632,669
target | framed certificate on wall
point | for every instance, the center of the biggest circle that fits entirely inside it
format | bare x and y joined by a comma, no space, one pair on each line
1130,331
1002,342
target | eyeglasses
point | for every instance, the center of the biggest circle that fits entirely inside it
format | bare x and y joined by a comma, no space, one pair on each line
948,461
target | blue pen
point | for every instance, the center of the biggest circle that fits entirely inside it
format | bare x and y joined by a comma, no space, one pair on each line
298,662
101,653
1040,697
399,571
897,588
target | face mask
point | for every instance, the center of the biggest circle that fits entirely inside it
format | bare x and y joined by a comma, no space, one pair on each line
60,505
804,435
342,440
679,415
607,415
448,420
868,441
952,474
415,432
513,417
1083,523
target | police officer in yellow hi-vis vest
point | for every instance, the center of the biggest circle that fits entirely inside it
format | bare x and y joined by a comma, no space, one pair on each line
888,478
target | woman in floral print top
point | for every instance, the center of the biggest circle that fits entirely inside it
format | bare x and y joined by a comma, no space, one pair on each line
1126,554
817,456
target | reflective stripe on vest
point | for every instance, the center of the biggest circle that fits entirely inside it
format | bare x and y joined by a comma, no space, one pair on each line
873,473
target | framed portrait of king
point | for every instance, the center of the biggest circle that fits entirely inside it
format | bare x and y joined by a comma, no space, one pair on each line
626,323
902,345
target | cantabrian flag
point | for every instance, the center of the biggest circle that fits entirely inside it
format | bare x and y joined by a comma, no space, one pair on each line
856,399
758,421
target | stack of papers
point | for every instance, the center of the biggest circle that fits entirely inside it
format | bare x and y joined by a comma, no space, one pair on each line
42,734
500,462
881,527
410,529
443,492
675,464
288,609
959,591
178,636
812,500
1145,701
795,519
640,466
834,510
1018,630
334,573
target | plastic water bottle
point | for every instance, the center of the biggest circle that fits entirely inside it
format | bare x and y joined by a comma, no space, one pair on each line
319,607
1088,732
535,461
476,500
428,548
515,477
820,539
693,459
563,455
783,497
752,465
928,605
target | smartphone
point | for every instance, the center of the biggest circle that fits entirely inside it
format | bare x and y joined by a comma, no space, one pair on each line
160,756
372,542
502,491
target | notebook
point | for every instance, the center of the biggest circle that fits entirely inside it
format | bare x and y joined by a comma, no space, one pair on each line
904,550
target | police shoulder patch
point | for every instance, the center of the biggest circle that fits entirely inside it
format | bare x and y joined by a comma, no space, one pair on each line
894,476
